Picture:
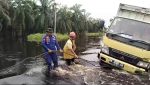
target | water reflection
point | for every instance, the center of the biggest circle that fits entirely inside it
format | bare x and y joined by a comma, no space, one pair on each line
11,52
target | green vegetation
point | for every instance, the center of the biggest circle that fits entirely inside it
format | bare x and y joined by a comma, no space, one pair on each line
95,34
60,37
38,37
35,37
24,17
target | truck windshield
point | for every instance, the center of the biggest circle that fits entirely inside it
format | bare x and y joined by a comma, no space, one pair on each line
132,29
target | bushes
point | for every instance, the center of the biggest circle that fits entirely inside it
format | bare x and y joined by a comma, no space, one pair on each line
38,37
95,34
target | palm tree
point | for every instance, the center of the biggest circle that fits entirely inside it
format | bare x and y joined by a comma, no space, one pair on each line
64,22
78,18
21,14
26,16
29,16
5,20
44,15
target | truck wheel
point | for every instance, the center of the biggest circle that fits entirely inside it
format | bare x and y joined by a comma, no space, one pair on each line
103,64
100,61
98,55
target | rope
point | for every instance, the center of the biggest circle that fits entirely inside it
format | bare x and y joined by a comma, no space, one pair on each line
22,61
84,60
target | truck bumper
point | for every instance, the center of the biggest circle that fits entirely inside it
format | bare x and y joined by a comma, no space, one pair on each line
120,64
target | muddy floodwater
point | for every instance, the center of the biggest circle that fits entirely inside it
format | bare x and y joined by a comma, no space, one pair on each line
16,68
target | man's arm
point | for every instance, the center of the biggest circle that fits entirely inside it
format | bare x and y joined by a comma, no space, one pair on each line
57,45
43,44
69,45
74,45
73,53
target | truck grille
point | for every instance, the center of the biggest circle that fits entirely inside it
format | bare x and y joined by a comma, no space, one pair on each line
124,56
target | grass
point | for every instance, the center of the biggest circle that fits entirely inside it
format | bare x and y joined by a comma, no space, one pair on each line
95,34
38,37
60,37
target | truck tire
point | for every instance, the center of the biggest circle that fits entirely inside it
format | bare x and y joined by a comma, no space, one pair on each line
103,64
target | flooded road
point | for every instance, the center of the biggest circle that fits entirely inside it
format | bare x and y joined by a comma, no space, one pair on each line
86,72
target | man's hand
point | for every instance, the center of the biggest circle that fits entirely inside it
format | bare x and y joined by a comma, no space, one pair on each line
49,51
61,50
76,56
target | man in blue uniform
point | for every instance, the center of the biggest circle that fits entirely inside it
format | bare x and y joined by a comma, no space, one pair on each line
50,45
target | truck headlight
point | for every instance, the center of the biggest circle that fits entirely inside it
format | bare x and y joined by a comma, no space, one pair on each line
104,48
143,64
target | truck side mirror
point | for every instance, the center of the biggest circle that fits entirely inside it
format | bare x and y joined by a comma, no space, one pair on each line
105,29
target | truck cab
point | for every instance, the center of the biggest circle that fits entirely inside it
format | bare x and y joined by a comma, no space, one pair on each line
126,44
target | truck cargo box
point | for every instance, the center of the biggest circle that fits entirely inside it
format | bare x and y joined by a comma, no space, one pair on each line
134,12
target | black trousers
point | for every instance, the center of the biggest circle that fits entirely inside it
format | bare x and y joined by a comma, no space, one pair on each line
69,61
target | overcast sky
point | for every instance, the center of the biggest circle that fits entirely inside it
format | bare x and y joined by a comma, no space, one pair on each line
104,9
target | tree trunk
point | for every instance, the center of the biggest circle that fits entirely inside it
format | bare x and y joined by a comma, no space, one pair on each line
81,41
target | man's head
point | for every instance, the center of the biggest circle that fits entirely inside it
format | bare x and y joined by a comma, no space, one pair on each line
49,31
72,35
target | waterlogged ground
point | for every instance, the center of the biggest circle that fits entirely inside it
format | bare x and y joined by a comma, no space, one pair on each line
86,72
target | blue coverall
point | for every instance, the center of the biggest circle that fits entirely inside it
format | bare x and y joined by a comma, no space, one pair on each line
51,44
